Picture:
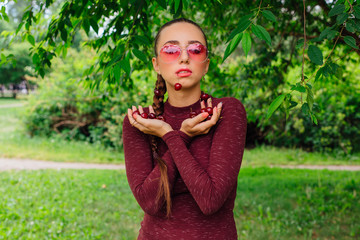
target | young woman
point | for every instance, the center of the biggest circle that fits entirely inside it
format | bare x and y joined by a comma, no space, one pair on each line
183,159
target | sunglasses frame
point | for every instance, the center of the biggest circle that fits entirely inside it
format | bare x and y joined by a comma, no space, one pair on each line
181,50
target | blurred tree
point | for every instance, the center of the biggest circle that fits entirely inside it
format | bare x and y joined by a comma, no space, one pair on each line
253,44
12,74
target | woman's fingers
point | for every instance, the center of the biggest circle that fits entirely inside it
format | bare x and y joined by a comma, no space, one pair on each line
131,118
141,110
202,104
151,109
209,102
219,107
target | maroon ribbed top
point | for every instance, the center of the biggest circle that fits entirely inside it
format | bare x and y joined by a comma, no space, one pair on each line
202,173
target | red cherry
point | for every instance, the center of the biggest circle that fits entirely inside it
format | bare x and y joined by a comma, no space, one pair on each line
144,115
203,110
192,114
151,116
208,117
161,117
209,110
178,86
204,96
136,112
157,92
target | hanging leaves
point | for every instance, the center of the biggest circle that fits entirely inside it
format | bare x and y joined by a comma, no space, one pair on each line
246,42
269,15
274,105
315,55
350,41
232,45
336,10
261,33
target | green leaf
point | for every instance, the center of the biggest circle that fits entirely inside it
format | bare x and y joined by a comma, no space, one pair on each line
141,39
261,33
3,58
357,11
232,45
269,15
19,27
315,55
286,104
310,98
340,19
246,42
117,72
350,27
177,4
336,10
331,35
94,25
313,118
64,34
30,39
298,87
162,3
357,24
274,105
305,108
350,41
36,58
86,26
140,55
125,64
243,24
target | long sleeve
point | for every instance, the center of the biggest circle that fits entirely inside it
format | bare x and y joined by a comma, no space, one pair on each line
211,186
143,176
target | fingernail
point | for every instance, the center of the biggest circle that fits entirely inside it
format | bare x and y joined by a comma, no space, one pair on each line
205,114
220,104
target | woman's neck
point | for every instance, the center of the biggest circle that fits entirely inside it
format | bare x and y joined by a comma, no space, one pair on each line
184,97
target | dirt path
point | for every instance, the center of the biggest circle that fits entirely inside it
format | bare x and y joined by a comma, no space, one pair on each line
28,164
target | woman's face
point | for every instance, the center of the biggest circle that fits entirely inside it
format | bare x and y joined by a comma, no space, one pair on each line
184,70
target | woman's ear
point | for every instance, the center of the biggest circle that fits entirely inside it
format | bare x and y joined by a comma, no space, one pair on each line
156,65
207,66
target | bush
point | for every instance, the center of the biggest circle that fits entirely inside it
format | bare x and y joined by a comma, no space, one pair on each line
63,106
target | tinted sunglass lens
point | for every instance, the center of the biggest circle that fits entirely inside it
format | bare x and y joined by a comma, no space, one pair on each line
197,52
169,53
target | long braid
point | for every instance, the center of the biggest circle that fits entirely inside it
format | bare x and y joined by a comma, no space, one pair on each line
158,105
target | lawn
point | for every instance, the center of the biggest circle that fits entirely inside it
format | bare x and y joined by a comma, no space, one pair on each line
98,204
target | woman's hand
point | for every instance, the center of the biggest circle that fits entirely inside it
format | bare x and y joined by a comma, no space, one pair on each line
197,126
148,126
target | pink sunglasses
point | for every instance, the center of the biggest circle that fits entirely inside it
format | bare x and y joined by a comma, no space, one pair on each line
196,52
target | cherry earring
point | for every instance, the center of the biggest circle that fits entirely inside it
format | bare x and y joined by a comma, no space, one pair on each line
178,86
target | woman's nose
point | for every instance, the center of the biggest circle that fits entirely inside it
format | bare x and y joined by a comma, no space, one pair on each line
184,56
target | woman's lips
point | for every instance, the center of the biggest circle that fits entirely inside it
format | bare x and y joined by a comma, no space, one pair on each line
183,72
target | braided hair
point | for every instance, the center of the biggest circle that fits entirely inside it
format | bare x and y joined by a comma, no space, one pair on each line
158,105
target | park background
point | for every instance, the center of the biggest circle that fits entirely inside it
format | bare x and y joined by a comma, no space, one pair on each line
70,69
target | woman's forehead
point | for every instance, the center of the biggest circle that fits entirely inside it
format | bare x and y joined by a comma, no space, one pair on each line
183,33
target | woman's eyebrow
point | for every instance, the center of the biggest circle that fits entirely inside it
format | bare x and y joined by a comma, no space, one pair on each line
177,42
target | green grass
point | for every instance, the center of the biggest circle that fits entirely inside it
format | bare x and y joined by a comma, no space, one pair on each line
267,155
8,101
15,144
98,204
